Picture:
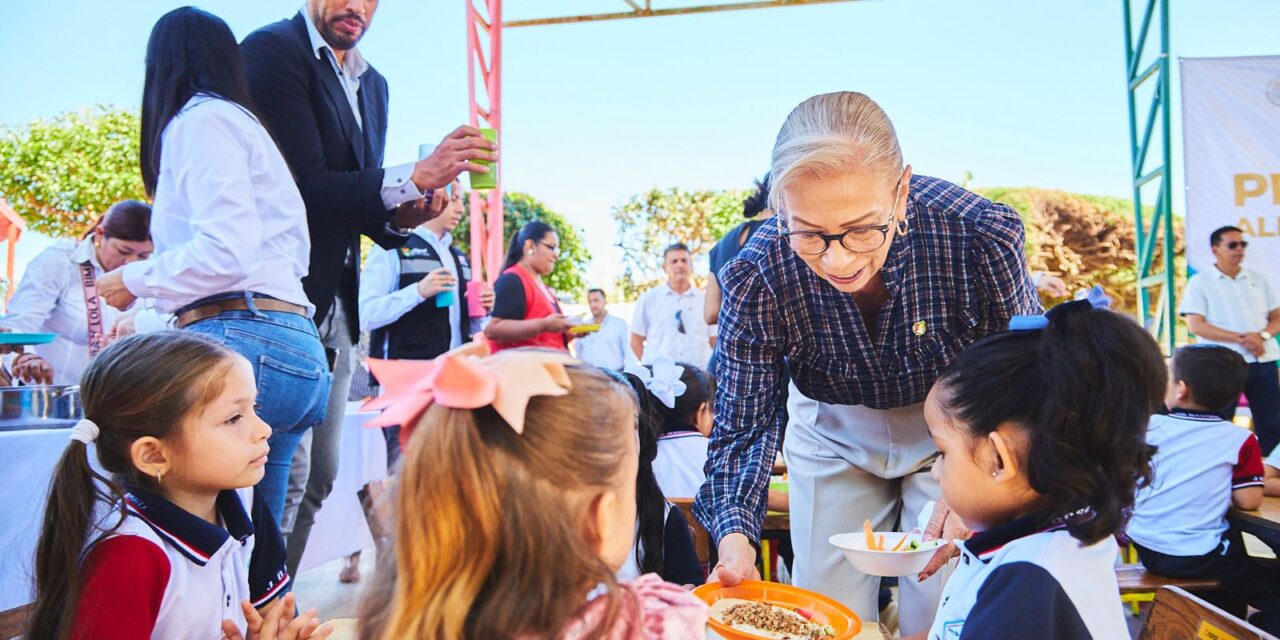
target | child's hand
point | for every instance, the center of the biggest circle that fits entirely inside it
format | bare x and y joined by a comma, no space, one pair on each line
279,623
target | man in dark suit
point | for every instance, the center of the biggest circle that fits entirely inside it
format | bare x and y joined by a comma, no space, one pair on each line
327,108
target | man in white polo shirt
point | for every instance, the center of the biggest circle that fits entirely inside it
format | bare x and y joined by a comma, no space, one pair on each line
1237,308
669,317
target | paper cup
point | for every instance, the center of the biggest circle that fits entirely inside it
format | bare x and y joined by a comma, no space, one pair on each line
446,298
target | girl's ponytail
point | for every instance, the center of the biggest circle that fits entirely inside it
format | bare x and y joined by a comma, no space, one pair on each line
68,517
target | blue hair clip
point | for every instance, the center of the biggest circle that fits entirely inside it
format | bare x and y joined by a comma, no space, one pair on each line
1096,297
1028,323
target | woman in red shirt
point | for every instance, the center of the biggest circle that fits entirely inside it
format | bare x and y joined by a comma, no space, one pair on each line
525,312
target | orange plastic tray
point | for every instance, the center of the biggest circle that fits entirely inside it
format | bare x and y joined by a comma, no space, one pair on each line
826,610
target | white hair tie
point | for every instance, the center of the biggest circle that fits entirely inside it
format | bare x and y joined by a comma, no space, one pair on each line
664,381
85,431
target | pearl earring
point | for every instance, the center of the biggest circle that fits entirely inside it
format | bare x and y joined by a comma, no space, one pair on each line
994,473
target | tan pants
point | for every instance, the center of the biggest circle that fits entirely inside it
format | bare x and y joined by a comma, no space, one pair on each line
847,464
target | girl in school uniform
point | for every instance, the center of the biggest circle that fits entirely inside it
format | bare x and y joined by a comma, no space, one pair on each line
1042,440
685,392
175,543
663,544
517,507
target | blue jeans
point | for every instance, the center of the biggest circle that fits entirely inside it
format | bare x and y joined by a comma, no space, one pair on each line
293,378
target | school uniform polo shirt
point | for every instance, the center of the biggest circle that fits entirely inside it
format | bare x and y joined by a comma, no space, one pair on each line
1200,459
168,574
1026,580
679,465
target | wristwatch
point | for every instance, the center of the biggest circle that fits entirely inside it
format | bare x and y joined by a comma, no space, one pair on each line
1266,335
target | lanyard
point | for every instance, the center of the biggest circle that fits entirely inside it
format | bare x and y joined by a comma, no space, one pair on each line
92,306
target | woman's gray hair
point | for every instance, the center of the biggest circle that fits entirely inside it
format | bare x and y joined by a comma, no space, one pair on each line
833,133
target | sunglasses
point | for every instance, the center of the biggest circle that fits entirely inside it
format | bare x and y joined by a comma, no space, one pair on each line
680,320
1236,245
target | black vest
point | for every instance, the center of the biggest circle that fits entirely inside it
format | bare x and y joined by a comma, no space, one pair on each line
424,332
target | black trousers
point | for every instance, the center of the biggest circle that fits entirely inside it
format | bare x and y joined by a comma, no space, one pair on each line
1244,579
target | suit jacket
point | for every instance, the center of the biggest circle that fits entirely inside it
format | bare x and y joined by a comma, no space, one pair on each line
336,162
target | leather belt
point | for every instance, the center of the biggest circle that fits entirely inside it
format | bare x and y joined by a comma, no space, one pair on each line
206,311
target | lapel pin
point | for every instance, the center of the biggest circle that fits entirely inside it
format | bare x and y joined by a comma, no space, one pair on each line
919,328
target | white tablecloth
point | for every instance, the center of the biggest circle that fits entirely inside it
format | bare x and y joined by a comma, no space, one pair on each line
27,460
340,528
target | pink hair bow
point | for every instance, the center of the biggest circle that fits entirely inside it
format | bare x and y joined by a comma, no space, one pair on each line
467,378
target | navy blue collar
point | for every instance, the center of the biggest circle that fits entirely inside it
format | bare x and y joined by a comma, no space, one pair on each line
191,535
1194,414
985,543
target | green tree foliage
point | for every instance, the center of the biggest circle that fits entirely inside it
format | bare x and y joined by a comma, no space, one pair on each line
520,208
651,221
61,174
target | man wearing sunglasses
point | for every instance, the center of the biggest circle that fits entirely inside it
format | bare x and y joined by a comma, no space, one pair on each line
1237,308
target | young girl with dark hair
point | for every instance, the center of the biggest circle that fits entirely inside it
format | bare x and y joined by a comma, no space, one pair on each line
684,432
663,543
516,507
175,542
1042,440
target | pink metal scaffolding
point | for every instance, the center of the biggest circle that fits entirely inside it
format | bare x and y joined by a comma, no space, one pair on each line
484,60
484,57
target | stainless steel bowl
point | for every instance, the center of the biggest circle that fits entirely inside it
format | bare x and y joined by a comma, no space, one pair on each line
39,407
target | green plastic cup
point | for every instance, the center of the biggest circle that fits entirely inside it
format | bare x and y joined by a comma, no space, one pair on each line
486,180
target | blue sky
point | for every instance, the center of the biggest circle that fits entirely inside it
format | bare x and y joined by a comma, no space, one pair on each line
1017,92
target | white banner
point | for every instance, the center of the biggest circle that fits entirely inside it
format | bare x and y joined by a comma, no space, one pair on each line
1231,149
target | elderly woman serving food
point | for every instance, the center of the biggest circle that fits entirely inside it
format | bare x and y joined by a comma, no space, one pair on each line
863,287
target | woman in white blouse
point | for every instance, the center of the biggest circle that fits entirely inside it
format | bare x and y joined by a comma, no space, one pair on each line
230,229
56,291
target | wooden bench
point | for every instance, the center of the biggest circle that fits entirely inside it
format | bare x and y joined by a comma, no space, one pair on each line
1134,578
1177,615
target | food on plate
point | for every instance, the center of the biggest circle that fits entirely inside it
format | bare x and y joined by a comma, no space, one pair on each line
908,542
770,621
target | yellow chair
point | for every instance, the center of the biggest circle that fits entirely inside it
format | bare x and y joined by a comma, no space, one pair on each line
1129,556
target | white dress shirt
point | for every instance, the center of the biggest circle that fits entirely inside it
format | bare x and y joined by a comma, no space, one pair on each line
608,348
397,188
50,299
655,320
227,214
1239,304
382,301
